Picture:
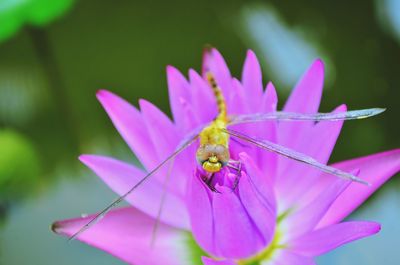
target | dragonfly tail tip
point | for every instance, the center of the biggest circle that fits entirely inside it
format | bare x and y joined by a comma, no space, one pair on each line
361,181
378,111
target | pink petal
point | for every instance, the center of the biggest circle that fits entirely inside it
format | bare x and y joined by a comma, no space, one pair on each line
121,177
305,98
286,257
165,138
130,125
270,98
209,261
261,211
252,81
328,238
259,180
179,97
161,130
235,235
236,98
126,233
201,218
204,102
257,197
376,169
268,161
305,219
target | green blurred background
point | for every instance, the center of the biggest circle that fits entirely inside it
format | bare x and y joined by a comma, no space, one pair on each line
55,55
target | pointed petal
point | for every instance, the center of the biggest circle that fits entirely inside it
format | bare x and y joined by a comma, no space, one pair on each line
235,235
126,233
165,138
258,199
305,98
270,98
305,219
236,98
147,198
200,211
204,102
179,94
328,238
161,130
252,81
260,211
260,180
286,257
376,169
130,125
214,62
268,160
209,261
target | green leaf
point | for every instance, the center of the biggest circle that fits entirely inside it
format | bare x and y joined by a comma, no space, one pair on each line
16,13
19,164
41,12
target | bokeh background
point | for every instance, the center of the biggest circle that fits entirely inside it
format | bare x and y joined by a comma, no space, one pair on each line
55,55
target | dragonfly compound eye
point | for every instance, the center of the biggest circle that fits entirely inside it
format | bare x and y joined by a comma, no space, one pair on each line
212,157
222,154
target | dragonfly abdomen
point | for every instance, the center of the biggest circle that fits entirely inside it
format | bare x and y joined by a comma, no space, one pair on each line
213,152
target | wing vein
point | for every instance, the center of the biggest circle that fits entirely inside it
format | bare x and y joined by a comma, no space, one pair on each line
291,116
289,153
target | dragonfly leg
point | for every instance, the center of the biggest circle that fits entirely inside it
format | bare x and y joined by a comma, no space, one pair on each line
208,180
236,165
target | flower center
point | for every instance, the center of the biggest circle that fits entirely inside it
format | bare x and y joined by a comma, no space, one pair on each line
226,177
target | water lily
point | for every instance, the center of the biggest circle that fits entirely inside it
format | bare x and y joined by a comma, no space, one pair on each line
271,211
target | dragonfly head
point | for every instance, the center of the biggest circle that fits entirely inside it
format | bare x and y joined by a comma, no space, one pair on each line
212,157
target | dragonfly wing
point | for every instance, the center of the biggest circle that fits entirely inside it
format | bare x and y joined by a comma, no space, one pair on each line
291,116
289,153
111,206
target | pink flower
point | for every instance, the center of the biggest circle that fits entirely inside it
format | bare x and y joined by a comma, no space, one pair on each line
274,210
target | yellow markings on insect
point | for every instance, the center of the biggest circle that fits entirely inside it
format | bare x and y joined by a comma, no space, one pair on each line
221,103
213,151
212,167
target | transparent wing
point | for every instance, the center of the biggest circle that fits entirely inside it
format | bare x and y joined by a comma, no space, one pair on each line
284,151
101,214
291,116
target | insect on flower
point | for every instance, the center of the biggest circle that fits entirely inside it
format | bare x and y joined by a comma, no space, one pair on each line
213,152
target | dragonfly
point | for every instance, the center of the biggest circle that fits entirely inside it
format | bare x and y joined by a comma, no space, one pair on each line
213,155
